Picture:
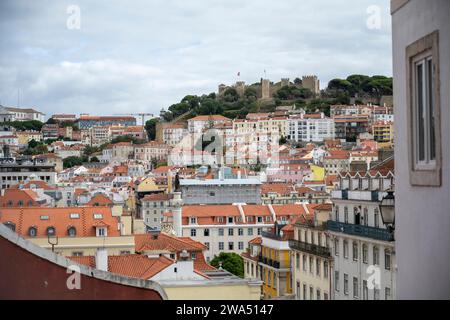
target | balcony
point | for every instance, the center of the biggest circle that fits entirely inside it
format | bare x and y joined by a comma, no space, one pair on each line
358,195
273,263
271,235
310,248
359,230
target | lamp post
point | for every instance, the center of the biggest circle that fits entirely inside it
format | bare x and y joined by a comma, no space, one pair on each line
387,210
53,241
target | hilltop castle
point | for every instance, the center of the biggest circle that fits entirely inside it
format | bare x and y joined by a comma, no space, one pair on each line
266,89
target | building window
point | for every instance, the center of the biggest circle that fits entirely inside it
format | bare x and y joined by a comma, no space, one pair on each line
365,253
345,249
250,231
325,296
32,232
376,256
206,232
297,261
336,247
230,245
72,232
311,293
336,281
304,263
355,251
193,232
423,112
325,269
376,294
311,265
345,215
221,232
387,293
207,245
51,231
221,247
77,253
345,284
365,290
355,288
318,267
230,220
376,218
366,217
230,231
241,245
259,231
387,259
304,292
240,231
192,220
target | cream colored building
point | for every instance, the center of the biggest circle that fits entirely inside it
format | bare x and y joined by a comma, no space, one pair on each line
312,261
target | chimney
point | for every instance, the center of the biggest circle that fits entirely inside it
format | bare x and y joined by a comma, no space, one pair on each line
177,204
101,259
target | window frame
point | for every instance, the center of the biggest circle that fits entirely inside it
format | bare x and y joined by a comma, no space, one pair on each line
431,174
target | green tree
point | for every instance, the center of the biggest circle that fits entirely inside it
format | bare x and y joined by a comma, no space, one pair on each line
94,159
231,262
73,161
231,95
150,127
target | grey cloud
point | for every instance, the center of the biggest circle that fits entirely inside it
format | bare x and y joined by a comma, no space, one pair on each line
145,55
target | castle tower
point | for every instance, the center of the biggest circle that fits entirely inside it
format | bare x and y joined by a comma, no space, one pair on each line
311,83
265,89
284,82
240,88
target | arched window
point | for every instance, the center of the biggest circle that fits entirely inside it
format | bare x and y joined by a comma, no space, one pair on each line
20,203
11,225
30,203
72,231
51,231
32,232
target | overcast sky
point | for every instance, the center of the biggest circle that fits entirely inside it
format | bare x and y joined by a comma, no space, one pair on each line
140,56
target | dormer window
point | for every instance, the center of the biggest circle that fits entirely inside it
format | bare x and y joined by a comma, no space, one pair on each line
260,219
193,220
101,232
230,220
11,225
51,231
32,232
98,216
20,203
30,203
72,231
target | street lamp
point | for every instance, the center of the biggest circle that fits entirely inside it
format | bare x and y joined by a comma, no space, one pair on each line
387,210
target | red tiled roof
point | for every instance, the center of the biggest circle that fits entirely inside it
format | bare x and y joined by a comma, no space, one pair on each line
60,219
131,265
100,200
164,242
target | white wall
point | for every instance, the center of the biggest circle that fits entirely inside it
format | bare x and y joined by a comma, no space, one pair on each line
422,213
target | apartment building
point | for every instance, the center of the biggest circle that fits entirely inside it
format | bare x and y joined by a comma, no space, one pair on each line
383,132
362,247
200,123
14,171
227,228
311,259
20,114
348,128
74,231
172,134
336,161
152,151
421,59
99,135
221,191
310,128
153,206
86,121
